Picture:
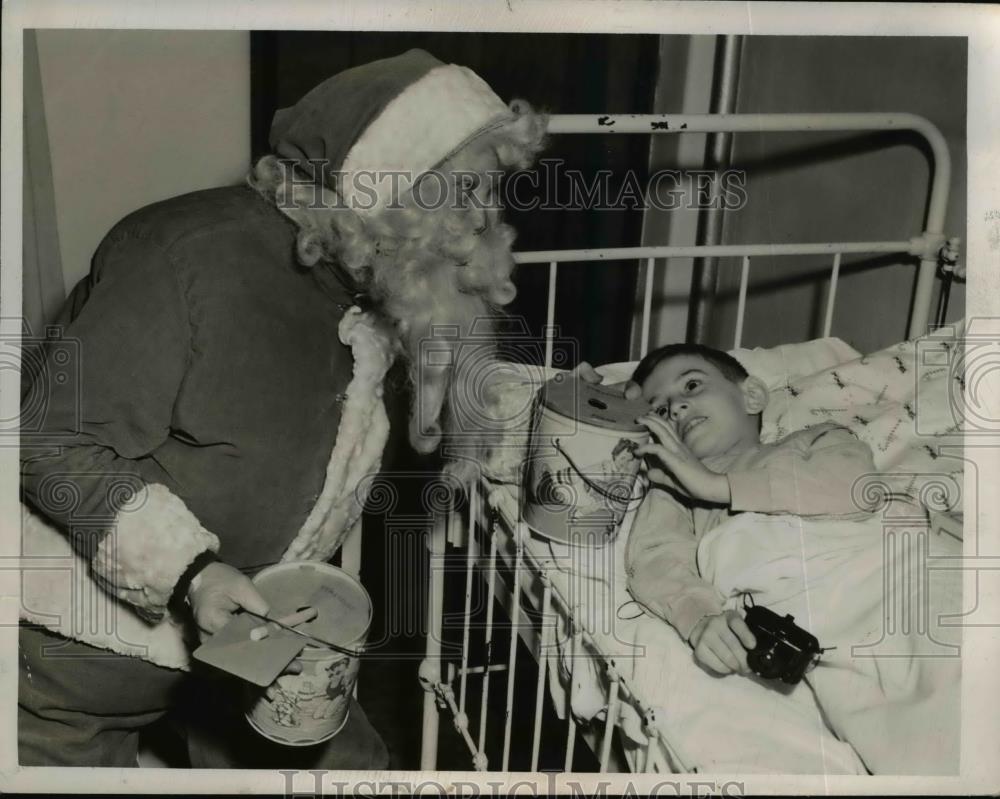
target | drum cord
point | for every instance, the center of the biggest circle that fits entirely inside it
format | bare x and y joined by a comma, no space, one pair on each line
600,489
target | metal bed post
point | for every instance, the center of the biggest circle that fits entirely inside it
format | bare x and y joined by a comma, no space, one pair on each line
350,552
470,562
932,240
488,644
548,623
515,616
430,667
718,152
659,749
647,307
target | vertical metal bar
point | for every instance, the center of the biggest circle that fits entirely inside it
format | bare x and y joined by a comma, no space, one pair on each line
570,721
350,552
430,668
649,727
474,507
543,662
649,766
741,306
550,314
943,297
515,614
920,313
610,721
491,583
718,154
832,297
647,306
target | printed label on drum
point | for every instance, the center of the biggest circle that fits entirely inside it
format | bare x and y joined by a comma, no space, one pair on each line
597,487
309,707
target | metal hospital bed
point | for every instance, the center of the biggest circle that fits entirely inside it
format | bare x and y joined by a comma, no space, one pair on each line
491,533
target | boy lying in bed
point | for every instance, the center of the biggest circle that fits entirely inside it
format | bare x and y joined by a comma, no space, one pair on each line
707,421
818,554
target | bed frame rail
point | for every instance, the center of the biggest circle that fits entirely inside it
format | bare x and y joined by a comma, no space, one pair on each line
491,528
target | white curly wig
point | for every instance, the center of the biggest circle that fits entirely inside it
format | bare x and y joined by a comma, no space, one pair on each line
425,269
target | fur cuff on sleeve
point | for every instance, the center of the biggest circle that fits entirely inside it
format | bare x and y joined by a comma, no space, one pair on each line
154,540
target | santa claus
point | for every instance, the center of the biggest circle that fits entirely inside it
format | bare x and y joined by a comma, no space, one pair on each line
227,405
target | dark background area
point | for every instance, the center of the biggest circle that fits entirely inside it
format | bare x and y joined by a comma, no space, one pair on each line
555,73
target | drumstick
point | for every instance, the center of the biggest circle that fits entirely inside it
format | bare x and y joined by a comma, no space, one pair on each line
291,620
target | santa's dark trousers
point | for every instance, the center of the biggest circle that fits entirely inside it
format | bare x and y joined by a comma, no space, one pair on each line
83,706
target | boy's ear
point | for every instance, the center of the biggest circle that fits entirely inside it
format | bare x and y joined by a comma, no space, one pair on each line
754,395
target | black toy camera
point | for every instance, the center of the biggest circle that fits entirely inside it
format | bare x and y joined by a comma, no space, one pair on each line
784,650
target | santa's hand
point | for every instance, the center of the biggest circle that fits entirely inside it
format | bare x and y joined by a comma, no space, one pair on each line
217,592
721,642
295,667
588,374
677,461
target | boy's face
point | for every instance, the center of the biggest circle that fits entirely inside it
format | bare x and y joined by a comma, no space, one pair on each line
711,414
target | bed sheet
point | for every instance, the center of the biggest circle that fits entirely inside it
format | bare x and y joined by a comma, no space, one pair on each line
882,599
715,724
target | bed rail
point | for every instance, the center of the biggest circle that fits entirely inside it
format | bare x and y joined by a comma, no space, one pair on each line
493,519
929,246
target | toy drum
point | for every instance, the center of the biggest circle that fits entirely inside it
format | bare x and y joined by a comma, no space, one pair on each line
582,470
311,707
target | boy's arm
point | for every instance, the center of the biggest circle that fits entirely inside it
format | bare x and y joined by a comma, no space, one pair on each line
812,474
660,560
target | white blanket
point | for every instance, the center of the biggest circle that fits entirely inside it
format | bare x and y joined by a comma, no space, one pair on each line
716,724
880,592
891,687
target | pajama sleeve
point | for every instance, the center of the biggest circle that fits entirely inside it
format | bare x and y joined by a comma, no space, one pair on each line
96,406
813,473
661,563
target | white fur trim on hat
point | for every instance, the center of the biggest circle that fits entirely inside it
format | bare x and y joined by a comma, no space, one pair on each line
416,131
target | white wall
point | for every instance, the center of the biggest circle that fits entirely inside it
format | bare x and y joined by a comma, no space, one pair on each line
138,116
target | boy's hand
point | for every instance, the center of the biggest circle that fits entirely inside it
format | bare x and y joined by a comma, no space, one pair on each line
696,479
721,642
588,374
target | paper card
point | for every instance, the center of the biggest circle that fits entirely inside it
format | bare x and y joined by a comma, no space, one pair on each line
258,662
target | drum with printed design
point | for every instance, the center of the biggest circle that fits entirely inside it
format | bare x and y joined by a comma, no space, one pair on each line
312,706
582,470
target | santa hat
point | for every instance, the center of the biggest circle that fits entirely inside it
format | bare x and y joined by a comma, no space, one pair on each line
401,115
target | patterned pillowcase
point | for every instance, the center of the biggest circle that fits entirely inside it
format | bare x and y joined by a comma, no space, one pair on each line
903,401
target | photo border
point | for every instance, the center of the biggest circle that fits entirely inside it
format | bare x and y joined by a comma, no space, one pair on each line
980,770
